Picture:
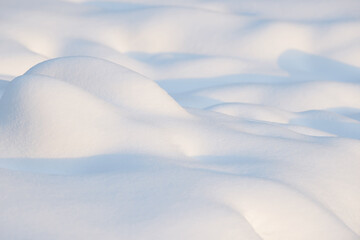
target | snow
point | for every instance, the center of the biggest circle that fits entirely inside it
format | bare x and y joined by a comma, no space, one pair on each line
179,119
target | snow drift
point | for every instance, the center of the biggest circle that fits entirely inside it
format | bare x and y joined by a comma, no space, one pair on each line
182,120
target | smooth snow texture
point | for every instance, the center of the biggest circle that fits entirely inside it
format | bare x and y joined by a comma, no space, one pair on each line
179,119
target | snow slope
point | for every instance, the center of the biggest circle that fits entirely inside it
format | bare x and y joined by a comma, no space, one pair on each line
179,119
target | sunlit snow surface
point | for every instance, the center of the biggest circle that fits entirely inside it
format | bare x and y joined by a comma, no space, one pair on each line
181,119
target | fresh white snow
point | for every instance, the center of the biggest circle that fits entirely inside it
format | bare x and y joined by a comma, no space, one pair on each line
181,119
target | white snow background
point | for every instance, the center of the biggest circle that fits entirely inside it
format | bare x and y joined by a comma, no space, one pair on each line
179,119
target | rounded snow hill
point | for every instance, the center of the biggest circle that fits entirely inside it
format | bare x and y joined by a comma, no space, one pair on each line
113,83
41,116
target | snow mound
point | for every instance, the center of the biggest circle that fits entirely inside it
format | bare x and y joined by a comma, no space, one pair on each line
111,82
41,116
46,117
